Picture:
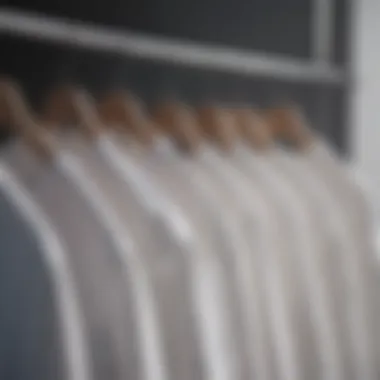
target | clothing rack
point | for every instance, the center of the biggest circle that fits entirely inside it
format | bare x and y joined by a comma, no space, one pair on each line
203,56
235,235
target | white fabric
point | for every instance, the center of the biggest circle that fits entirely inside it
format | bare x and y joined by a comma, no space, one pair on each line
343,249
199,198
212,265
87,177
206,279
75,350
234,250
302,244
261,227
62,191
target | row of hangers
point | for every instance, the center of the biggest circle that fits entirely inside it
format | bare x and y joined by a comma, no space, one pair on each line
125,113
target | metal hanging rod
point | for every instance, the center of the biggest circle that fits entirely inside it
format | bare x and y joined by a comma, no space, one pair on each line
203,56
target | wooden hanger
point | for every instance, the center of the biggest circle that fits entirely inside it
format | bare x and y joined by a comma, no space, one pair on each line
219,126
253,128
179,123
290,125
125,112
71,105
15,113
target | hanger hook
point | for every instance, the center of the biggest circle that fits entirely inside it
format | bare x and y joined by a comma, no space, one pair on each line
71,104
124,111
15,112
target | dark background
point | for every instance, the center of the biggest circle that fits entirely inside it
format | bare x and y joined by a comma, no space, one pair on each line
280,27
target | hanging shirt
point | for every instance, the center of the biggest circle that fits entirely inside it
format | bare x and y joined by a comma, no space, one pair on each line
196,194
348,283
205,306
97,274
42,325
30,336
334,173
223,225
163,245
216,201
303,243
350,198
261,227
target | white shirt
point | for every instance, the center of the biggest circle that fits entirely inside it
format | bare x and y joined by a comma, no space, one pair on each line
303,245
107,196
261,227
74,340
161,167
341,250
